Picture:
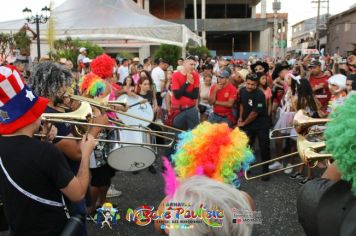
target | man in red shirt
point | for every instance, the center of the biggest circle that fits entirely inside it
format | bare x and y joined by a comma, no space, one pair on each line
222,96
319,83
185,87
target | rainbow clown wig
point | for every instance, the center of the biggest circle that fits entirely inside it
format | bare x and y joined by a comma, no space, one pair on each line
91,85
340,136
213,150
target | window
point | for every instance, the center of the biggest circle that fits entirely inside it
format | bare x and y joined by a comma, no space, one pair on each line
337,27
347,26
294,30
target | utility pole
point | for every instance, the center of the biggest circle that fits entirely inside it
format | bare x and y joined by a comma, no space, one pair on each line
195,17
203,19
276,6
317,27
317,23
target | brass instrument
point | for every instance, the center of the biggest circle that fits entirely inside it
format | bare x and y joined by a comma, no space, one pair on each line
307,151
104,104
302,122
83,116
272,133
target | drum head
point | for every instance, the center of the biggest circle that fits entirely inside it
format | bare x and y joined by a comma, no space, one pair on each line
131,158
141,110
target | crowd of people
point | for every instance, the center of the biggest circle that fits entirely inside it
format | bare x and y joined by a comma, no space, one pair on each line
255,95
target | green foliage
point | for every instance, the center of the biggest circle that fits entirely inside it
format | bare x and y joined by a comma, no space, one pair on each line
170,53
69,49
23,43
200,51
7,44
125,54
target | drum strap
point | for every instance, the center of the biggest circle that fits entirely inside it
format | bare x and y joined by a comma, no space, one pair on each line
34,197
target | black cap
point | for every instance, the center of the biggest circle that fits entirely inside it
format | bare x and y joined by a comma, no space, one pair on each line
279,67
314,63
208,67
260,63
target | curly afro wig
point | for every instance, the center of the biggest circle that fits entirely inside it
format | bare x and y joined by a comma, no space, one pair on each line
103,66
48,77
340,136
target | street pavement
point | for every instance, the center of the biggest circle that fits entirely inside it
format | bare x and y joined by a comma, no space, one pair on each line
276,199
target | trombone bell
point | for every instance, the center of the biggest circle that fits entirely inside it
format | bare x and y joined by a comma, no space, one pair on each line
83,113
302,122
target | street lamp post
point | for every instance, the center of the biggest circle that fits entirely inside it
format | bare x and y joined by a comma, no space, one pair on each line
37,19
276,6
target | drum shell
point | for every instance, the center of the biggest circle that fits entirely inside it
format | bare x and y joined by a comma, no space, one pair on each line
131,157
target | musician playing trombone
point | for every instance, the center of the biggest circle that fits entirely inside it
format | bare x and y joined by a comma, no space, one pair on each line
34,175
51,80
327,205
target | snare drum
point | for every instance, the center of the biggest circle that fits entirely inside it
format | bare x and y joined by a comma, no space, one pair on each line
130,157
140,110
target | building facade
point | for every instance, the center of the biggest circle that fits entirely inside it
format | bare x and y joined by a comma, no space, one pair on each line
225,26
304,34
342,32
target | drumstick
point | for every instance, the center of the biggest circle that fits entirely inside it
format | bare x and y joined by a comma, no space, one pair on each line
138,103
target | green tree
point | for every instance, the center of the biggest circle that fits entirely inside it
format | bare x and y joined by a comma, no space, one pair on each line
7,45
125,54
200,51
170,53
23,43
69,49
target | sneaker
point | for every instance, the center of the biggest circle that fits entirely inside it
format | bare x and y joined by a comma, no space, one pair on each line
288,171
275,166
112,192
296,175
305,180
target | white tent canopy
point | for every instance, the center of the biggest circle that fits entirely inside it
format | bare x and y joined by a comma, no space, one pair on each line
96,20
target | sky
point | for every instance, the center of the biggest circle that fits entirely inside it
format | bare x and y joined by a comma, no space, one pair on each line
298,10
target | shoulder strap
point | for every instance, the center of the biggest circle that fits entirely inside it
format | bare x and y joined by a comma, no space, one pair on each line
32,196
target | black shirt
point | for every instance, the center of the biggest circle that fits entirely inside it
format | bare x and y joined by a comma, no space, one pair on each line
254,101
41,169
148,96
327,208
64,129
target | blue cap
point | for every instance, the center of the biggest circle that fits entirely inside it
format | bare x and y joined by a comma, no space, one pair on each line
224,74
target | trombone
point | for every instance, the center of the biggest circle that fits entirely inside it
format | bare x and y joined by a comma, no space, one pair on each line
84,113
103,104
307,151
301,123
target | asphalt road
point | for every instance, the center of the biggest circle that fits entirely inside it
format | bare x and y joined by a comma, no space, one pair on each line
276,199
